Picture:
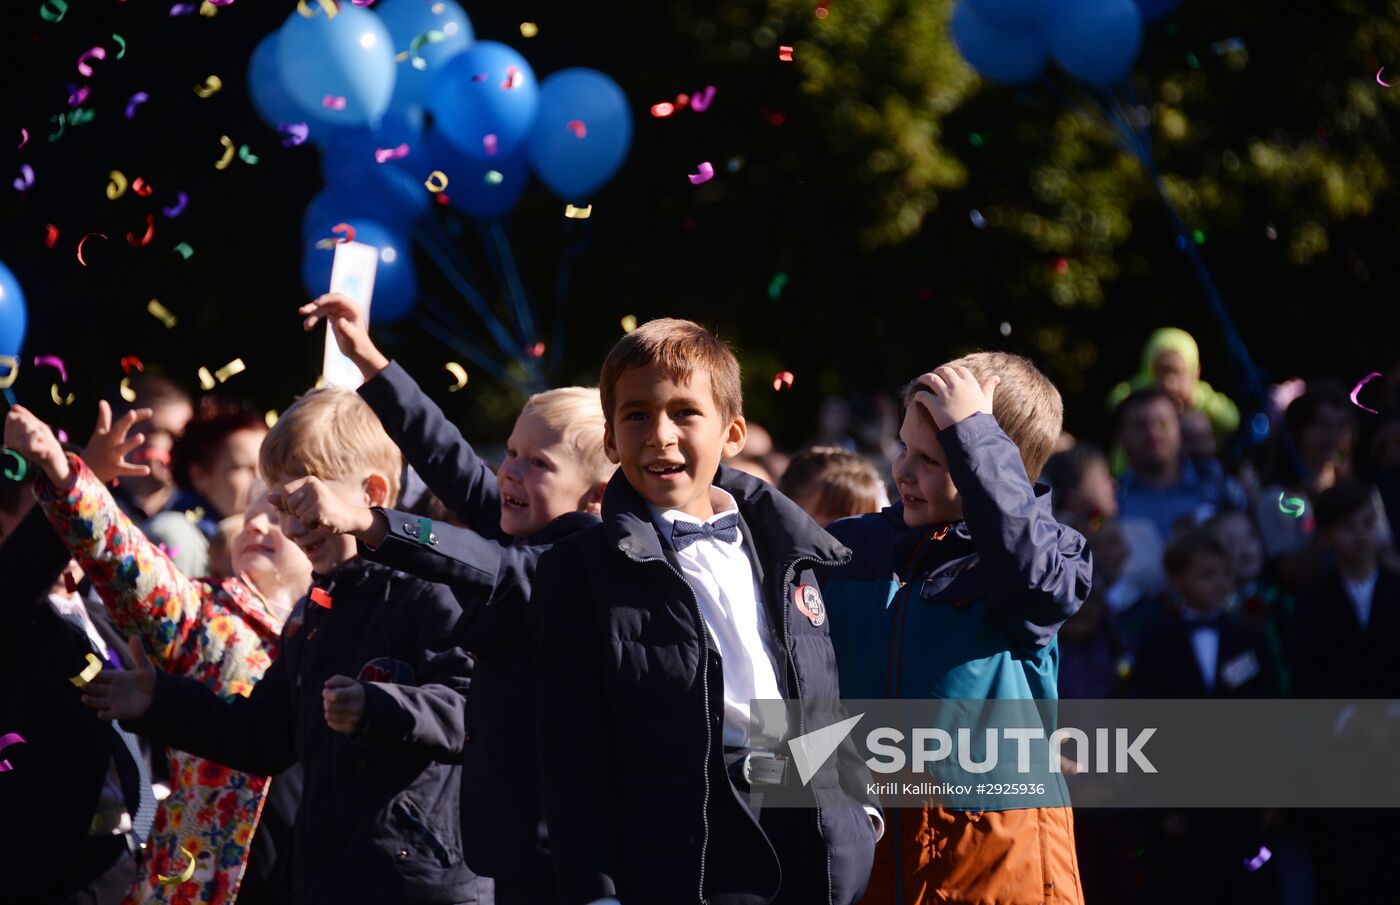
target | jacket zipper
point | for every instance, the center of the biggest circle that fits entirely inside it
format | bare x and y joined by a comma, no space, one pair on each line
709,734
797,679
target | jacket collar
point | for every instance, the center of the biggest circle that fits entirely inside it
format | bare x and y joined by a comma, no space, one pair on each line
562,527
908,539
779,527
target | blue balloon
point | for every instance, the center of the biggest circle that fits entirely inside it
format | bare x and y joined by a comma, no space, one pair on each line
576,162
14,316
1096,41
395,283
999,54
482,190
485,101
1157,10
392,199
1018,14
271,101
349,58
408,19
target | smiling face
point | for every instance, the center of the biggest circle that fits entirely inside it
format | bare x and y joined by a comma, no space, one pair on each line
921,474
327,551
669,437
263,553
541,478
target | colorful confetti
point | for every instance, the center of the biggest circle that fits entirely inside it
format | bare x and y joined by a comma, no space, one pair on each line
513,78
141,187
1383,84
629,323
296,133
578,213
8,380
116,185
578,128
26,178
327,5
229,150
1293,506
427,37
212,86
77,95
161,313
663,109
23,137
52,361
782,379
1356,390
775,285
1259,860
436,182
320,597
785,53
384,155
53,10
60,400
121,45
184,250
8,739
458,372
704,173
184,875
494,177
488,142
84,240
206,382
183,9
345,228
702,99
89,672
131,361
246,155
178,208
332,102
529,29
231,369
92,53
51,235
17,471
535,351
145,239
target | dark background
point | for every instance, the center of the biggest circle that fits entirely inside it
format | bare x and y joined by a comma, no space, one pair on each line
834,187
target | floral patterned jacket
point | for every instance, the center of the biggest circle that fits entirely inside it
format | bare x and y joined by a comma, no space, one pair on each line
220,632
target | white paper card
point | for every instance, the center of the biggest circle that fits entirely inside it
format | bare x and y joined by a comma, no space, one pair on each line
352,274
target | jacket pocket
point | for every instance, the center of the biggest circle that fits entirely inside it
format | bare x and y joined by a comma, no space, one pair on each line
411,828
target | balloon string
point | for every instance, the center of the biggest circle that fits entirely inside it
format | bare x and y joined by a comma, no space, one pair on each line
459,345
506,263
430,243
562,284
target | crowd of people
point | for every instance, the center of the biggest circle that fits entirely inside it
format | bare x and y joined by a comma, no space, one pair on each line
333,648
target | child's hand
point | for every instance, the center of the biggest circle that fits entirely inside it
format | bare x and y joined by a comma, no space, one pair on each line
344,701
106,449
123,694
315,505
351,332
953,394
32,438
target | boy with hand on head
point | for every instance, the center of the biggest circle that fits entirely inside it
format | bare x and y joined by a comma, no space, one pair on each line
367,690
956,592
550,485
657,629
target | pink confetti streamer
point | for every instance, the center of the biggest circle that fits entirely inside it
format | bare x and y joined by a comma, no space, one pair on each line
578,128
513,78
6,740
383,155
488,141
137,100
26,178
92,53
178,207
704,173
332,102
702,99
52,361
23,137
481,77
1356,391
77,95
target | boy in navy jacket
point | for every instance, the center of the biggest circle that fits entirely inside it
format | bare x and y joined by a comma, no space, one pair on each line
657,628
550,485
367,692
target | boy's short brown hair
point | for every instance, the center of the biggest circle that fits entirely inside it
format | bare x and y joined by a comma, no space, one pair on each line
679,348
576,415
1341,501
330,433
1184,549
1025,404
833,481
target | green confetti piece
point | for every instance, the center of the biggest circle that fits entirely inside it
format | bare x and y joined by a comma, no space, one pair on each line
60,119
775,285
493,177
121,45
247,156
185,251
81,116
17,471
53,10
427,37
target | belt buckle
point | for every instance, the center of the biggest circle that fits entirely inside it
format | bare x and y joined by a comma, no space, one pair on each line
747,771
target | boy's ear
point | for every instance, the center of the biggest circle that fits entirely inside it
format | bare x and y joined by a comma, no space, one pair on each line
610,444
595,499
376,488
737,436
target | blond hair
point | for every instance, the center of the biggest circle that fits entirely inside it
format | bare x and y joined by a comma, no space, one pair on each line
679,348
330,433
1025,404
576,415
833,482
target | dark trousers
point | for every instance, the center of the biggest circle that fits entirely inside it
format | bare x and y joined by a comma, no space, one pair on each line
526,892
115,869
794,839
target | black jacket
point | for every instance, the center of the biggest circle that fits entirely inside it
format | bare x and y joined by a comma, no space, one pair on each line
379,812
50,792
1166,666
503,833
630,711
1336,658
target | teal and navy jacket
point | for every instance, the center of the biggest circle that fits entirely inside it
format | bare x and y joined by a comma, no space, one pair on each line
963,611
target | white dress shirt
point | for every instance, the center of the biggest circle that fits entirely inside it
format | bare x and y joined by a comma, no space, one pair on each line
1361,592
731,603
1205,643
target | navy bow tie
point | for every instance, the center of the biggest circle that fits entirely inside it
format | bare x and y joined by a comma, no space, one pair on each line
685,533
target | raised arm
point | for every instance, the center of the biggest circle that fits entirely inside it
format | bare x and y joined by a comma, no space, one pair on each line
431,443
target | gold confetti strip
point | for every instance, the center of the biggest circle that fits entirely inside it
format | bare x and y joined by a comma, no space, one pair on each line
117,186
229,150
211,86
193,516
9,379
161,313
270,419
458,372
234,367
184,875
328,5
437,182
578,213
629,323
127,392
60,400
529,29
208,9
206,380
94,666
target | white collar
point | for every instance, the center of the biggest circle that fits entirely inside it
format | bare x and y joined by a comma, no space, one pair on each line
665,519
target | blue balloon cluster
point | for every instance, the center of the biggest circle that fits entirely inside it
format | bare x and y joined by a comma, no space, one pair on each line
1096,41
14,316
392,93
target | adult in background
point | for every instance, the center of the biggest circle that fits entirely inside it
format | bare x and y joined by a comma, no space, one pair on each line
1171,362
